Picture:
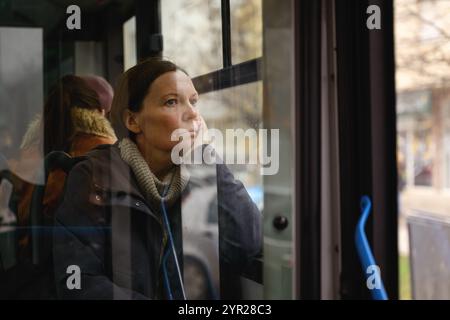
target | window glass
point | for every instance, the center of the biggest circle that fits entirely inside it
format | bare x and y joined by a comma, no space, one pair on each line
422,45
129,43
21,94
103,226
192,33
237,108
246,30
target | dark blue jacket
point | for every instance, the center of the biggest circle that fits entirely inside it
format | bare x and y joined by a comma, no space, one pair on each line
107,228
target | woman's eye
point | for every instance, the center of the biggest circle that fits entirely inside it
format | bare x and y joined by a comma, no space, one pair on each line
194,102
171,102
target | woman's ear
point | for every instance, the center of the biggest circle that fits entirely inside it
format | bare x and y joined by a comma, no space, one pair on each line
131,122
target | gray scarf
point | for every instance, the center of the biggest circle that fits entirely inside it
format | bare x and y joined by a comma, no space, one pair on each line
150,185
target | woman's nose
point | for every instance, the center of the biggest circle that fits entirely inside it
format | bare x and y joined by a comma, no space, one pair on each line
191,112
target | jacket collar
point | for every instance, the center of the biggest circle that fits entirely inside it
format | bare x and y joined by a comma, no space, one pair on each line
114,177
110,173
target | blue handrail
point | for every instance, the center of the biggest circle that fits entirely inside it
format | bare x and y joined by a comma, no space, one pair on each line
364,251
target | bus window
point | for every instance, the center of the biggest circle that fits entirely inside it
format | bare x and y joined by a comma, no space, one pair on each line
423,101
103,220
22,89
192,32
129,43
246,30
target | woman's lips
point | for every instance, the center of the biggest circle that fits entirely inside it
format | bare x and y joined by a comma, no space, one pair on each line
195,129
196,126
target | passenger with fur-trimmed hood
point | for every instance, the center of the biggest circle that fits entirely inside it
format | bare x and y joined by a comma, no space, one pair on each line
74,122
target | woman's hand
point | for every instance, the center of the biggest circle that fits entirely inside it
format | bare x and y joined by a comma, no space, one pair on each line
189,144
203,136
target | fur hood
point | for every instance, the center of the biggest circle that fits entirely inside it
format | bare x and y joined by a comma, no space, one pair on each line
84,121
92,122
33,135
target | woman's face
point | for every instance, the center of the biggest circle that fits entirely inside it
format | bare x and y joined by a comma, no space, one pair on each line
170,104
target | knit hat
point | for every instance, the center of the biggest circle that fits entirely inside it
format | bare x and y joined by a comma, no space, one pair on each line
104,90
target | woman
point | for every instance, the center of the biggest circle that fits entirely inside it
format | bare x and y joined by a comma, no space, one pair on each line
74,122
120,221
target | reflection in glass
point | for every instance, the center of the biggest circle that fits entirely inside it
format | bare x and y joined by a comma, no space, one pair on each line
233,108
21,92
201,236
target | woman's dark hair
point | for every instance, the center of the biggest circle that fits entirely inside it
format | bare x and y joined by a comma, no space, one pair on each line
132,88
71,91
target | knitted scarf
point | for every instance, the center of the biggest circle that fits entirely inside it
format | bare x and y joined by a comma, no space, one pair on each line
150,185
